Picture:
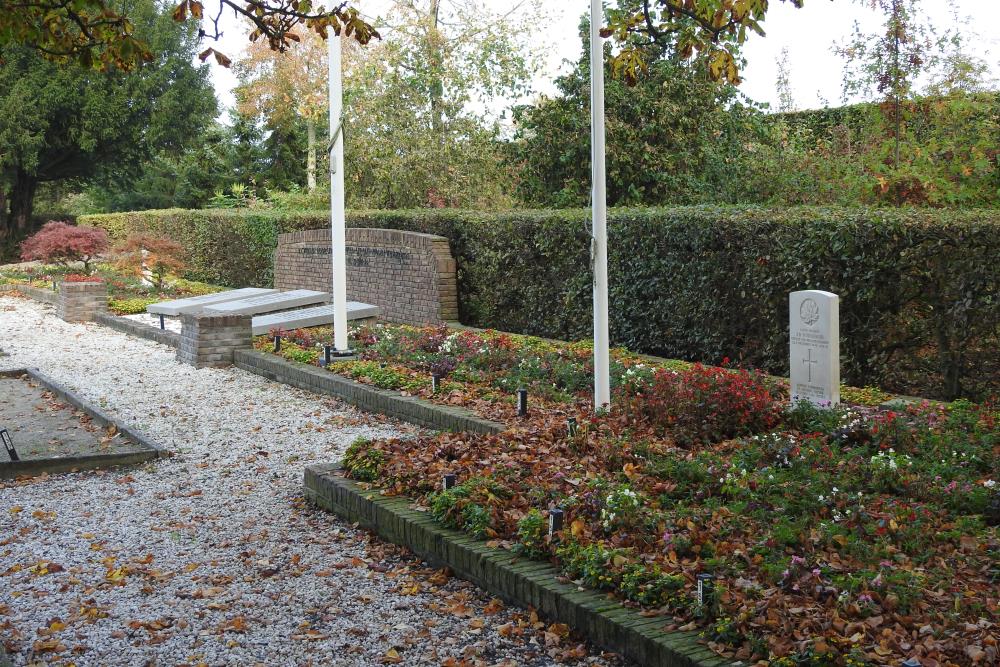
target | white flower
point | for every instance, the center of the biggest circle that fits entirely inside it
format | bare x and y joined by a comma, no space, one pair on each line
989,484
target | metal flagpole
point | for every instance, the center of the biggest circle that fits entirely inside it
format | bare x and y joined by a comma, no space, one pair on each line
599,241
337,222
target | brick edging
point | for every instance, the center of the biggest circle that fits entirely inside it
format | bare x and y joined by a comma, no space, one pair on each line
133,328
527,583
101,418
38,294
408,408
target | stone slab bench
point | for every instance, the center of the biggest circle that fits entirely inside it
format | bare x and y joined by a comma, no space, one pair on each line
195,304
269,303
310,317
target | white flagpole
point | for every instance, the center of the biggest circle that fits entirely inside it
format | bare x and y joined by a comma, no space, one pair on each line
337,223
599,242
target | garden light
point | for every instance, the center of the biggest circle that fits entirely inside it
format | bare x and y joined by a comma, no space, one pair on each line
571,427
522,402
277,343
992,514
706,589
9,445
327,355
435,382
448,481
556,517
162,324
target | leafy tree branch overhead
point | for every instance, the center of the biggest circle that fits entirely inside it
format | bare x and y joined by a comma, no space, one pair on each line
100,33
714,30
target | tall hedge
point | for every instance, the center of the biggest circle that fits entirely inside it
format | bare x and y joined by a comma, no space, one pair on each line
920,289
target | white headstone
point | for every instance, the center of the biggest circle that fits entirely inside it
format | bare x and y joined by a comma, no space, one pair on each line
814,346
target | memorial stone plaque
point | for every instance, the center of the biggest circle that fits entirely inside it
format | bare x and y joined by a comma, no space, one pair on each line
814,347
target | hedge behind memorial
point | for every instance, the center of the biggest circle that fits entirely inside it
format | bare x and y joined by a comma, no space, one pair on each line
920,289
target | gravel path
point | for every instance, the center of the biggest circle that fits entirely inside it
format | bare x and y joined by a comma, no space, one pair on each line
212,557
169,323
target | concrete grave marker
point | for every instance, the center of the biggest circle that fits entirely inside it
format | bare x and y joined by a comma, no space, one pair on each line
196,304
814,347
310,317
270,303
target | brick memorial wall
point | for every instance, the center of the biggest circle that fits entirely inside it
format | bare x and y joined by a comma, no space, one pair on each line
410,276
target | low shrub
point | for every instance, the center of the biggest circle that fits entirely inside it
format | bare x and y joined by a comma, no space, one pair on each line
706,404
129,306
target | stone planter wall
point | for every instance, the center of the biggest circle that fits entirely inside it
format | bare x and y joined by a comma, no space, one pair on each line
211,340
81,302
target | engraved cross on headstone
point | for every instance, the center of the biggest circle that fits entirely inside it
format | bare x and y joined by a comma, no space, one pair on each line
810,362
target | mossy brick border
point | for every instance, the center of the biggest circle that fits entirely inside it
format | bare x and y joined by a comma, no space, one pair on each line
526,583
151,449
133,328
371,399
48,296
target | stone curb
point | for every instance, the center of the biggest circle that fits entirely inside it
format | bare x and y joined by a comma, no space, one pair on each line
407,408
4,660
10,470
168,338
526,583
39,294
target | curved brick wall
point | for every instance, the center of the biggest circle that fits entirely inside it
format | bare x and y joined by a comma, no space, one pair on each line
410,276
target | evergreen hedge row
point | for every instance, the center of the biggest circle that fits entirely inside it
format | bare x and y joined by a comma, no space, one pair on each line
920,289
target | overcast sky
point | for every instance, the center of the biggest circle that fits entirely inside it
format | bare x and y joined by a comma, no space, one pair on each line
808,34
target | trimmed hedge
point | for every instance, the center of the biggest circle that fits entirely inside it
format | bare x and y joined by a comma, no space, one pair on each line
920,289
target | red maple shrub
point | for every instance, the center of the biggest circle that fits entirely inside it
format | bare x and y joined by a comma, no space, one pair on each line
158,255
62,243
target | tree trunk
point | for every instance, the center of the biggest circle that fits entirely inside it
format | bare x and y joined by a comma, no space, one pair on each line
4,232
436,61
22,203
311,157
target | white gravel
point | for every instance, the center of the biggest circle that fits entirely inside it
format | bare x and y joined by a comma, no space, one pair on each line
169,323
212,557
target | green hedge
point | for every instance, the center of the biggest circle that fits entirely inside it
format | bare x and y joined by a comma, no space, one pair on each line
920,289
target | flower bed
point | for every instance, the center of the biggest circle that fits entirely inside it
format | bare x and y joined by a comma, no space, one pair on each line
851,536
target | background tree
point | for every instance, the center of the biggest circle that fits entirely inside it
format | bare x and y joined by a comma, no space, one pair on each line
421,116
783,84
282,88
672,137
65,122
888,63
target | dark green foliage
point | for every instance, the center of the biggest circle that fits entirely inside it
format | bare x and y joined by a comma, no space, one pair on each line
919,311
673,137
68,123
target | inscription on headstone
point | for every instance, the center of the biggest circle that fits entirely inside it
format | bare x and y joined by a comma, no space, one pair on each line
814,347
